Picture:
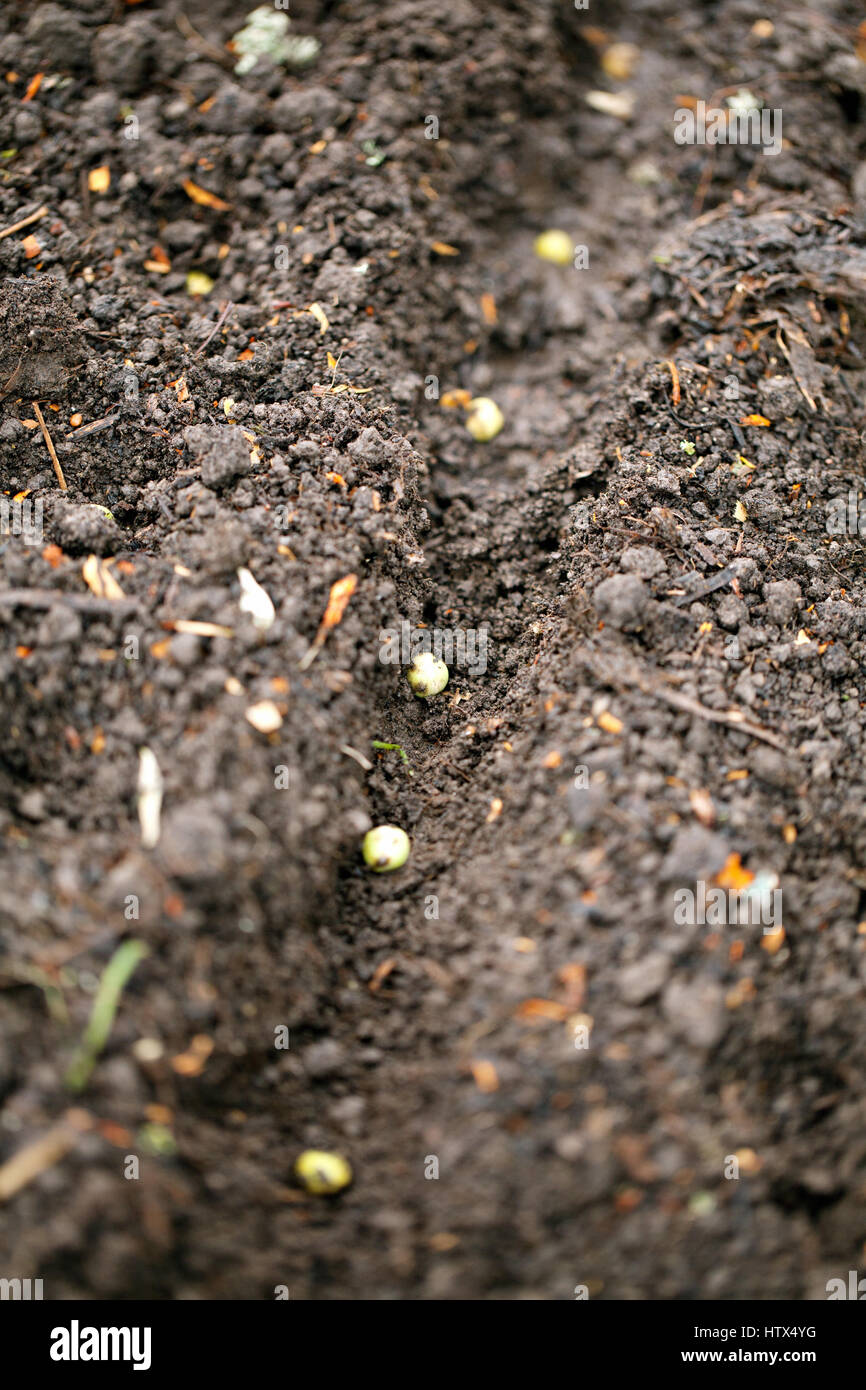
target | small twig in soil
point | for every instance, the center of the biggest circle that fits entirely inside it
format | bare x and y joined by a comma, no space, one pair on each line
216,328
84,187
716,581
738,435
12,380
35,1158
51,449
675,380
25,222
94,427
198,41
628,676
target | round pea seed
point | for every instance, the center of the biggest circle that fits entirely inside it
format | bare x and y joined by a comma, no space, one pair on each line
385,848
428,675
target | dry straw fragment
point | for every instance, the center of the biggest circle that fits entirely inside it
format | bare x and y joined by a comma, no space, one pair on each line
99,579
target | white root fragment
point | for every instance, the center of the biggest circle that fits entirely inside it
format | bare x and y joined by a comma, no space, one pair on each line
255,601
149,797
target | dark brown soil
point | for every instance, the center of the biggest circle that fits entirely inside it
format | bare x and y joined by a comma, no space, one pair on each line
673,677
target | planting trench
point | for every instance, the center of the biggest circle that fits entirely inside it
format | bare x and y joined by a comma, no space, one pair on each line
640,727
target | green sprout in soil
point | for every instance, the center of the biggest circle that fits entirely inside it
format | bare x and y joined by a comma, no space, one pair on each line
157,1140
687,446
375,156
393,748
115,978
265,34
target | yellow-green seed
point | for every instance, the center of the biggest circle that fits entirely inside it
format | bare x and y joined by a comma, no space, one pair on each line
428,675
485,419
323,1173
554,246
385,847
197,283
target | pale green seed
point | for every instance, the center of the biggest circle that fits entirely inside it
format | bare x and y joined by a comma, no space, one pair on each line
323,1173
385,848
484,420
555,246
428,675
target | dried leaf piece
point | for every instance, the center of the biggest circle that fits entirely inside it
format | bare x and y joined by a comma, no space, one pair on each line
33,86
740,513
338,598
204,198
99,579
149,797
319,315
484,1076
489,311
619,104
381,973
755,420
702,806
609,723
620,60
265,717
573,979
192,1062
544,1010
449,400
772,941
30,247
733,875
99,180
443,249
